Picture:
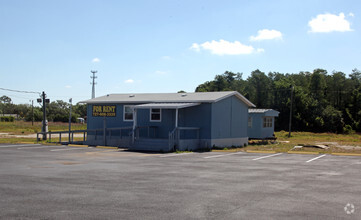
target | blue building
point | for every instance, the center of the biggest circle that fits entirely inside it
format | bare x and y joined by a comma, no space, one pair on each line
168,121
261,123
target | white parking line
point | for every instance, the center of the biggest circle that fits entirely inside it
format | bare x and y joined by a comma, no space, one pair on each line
315,158
5,146
175,154
259,158
23,148
222,155
79,148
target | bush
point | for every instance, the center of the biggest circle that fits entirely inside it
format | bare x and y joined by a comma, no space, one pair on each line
7,118
348,130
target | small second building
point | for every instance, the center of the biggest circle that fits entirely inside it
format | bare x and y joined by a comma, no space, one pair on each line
261,123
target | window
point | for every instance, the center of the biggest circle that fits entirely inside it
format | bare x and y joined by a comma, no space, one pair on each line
250,122
267,122
155,114
128,113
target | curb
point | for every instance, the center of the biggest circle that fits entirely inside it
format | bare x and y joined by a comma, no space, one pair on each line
26,142
345,154
302,152
261,151
106,147
50,144
77,145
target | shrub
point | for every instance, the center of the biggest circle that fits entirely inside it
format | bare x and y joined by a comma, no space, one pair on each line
7,118
348,130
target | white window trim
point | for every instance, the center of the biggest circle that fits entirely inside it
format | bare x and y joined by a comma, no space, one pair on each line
160,115
268,122
131,106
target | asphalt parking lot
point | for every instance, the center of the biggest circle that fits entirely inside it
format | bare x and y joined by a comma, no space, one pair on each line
59,182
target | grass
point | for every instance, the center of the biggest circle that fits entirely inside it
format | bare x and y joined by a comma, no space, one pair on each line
17,140
285,143
24,128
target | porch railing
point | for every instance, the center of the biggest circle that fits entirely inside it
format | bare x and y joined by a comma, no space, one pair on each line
143,131
98,133
175,135
172,139
62,134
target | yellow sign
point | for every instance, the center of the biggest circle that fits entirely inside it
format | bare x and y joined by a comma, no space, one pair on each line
104,110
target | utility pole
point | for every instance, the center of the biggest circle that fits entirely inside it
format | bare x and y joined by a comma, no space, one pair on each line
290,121
93,83
43,96
44,100
70,100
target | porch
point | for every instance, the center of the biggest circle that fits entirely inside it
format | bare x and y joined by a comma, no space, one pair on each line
179,138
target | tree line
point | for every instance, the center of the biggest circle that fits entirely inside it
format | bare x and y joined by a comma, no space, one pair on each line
322,102
57,111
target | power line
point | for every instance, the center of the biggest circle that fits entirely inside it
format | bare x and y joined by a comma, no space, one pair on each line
12,90
20,97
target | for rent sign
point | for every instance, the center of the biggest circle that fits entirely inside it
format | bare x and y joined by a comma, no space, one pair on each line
104,110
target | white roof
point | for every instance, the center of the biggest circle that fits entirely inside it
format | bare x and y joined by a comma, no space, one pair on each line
166,105
267,112
198,97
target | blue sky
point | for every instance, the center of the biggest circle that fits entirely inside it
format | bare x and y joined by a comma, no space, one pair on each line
167,46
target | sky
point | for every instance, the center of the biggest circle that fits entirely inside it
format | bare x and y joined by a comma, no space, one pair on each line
158,46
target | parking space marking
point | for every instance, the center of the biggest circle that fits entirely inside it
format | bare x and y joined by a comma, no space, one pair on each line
27,148
5,146
68,149
315,158
175,154
222,155
259,158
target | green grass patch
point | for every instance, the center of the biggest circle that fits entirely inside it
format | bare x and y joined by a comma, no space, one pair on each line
285,143
24,128
17,140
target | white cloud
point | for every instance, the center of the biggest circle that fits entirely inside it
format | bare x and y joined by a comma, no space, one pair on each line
223,47
351,14
196,47
67,86
129,81
266,34
96,60
325,23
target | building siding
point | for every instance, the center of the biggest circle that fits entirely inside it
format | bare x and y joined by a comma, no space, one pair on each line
257,130
229,120
197,116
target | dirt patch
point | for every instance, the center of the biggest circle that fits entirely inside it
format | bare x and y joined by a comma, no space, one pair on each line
336,144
